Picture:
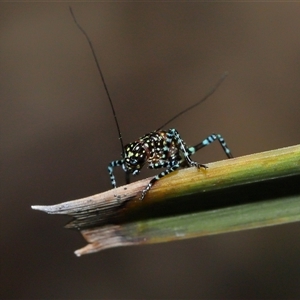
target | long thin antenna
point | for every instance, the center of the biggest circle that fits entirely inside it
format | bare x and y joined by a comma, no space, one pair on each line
224,75
104,83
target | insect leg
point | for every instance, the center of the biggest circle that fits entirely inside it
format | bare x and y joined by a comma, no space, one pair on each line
110,168
174,165
173,134
210,139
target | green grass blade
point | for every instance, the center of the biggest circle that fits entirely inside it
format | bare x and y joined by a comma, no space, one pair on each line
247,192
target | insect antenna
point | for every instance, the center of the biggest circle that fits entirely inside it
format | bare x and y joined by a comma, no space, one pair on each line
104,84
214,88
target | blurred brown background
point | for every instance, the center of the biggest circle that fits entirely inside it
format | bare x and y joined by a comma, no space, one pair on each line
58,136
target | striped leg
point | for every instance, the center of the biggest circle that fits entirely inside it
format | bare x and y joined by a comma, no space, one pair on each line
210,139
115,163
173,133
173,165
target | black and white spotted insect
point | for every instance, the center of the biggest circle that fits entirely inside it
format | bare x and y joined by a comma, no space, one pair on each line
160,148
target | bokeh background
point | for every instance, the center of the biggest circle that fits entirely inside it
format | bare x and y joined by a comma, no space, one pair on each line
58,135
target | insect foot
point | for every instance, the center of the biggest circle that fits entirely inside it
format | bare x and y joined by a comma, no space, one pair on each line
197,165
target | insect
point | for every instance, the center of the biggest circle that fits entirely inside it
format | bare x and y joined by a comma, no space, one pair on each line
159,148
